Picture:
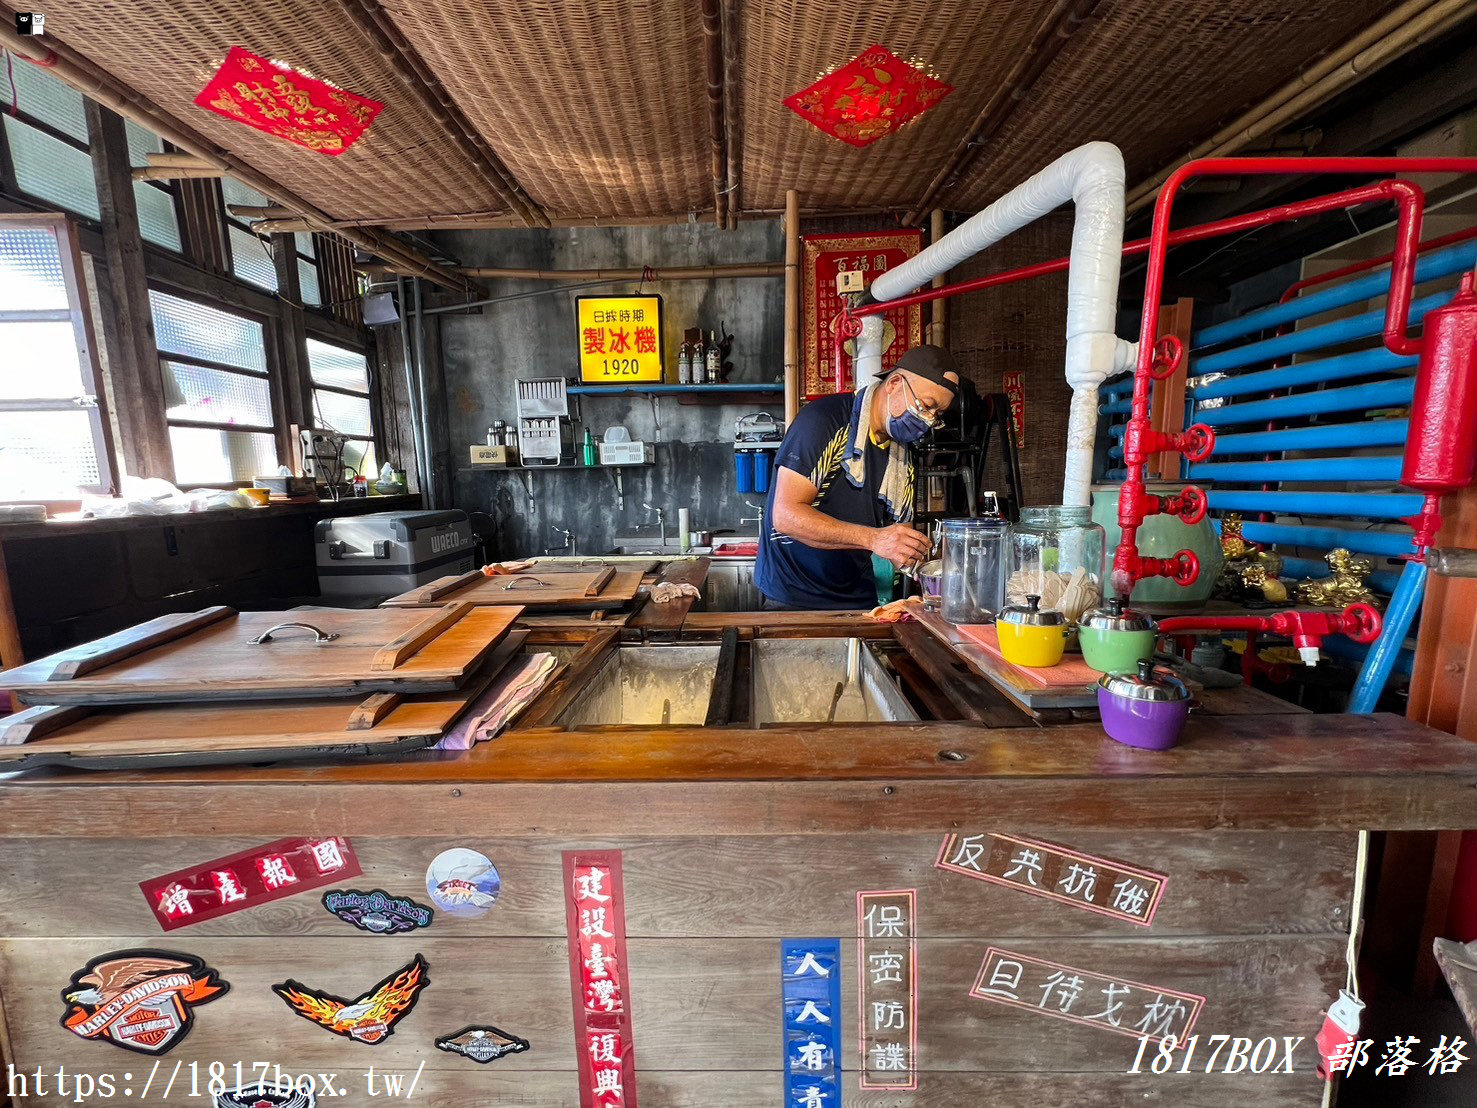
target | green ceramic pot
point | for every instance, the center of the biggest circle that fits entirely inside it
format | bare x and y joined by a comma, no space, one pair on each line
1163,536
1115,639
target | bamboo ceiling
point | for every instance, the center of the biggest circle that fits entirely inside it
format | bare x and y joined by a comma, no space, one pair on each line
581,109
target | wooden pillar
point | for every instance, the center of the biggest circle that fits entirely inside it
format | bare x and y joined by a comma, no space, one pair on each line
291,387
1167,404
792,304
138,384
938,312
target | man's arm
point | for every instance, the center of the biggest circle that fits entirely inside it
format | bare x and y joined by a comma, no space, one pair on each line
795,516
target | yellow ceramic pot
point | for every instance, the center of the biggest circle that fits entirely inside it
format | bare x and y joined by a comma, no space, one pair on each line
1031,635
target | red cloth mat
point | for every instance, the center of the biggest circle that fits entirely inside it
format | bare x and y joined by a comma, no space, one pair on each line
1071,672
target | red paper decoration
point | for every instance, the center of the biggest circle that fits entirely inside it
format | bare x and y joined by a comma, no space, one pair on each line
873,95
279,100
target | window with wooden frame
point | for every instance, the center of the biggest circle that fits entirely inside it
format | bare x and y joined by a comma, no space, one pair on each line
340,393
218,393
54,438
309,283
50,160
251,256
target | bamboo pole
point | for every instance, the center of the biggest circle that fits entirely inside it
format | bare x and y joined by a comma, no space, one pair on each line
712,17
177,173
938,314
77,71
263,211
172,157
1408,26
483,221
792,304
688,273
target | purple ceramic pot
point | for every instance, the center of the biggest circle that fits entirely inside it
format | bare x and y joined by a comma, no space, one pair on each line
1146,709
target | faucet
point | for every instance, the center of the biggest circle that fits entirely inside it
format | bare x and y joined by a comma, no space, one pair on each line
757,518
568,541
661,522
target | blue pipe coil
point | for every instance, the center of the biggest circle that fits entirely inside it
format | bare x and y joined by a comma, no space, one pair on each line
1354,398
1382,468
1366,505
1358,364
1313,338
1349,650
1381,432
1443,263
1390,544
1115,407
1380,580
1405,603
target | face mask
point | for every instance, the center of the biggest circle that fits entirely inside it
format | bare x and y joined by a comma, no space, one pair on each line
908,427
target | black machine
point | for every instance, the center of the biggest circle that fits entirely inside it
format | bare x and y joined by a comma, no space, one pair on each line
954,460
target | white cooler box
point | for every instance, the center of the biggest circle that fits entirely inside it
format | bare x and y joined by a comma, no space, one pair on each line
387,553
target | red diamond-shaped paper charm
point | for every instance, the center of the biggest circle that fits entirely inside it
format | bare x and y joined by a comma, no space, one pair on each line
874,94
279,100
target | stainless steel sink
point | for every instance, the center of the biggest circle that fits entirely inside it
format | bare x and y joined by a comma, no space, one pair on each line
641,685
805,681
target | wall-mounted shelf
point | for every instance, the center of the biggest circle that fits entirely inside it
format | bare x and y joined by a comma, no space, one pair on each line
678,390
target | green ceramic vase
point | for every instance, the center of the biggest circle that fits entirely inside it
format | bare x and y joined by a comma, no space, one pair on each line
1163,536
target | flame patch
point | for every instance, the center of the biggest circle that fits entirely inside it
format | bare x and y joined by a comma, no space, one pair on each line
369,1019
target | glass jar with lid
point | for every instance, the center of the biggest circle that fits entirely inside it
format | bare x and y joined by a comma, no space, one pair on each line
973,569
1056,553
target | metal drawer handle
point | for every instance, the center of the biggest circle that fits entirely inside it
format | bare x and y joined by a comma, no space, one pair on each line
592,562
319,634
537,584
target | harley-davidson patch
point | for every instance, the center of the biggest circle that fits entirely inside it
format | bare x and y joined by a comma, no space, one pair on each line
377,911
141,1000
369,1019
482,1044
264,1094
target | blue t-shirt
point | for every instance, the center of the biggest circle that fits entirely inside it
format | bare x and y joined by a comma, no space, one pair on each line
799,576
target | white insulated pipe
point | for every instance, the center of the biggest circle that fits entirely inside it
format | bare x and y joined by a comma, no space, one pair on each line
1090,176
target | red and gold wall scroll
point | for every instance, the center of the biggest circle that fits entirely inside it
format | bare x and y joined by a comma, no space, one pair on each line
872,254
595,907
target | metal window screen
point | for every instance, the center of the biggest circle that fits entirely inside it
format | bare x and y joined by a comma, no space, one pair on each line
185,327
203,456
304,240
39,361
157,219
50,169
217,395
336,367
31,270
41,96
47,455
250,260
237,193
141,143
348,415
307,283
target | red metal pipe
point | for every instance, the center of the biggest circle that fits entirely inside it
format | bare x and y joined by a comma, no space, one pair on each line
1428,245
1307,630
1129,566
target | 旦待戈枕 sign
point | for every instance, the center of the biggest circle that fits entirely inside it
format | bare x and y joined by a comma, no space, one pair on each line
620,339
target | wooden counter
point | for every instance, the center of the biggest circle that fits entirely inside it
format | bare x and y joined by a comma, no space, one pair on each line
731,840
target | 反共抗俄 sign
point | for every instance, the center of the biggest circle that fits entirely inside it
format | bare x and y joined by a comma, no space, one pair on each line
620,339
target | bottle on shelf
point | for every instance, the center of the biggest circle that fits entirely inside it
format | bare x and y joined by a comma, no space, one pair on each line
699,361
589,447
714,361
684,365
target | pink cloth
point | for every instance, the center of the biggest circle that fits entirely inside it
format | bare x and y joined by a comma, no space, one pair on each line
500,704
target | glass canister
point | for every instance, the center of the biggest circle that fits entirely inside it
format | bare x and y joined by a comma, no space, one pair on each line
1056,553
976,551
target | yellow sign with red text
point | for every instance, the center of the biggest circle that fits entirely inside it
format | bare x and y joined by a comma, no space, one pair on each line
620,339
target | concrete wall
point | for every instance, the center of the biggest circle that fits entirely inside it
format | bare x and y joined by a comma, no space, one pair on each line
483,354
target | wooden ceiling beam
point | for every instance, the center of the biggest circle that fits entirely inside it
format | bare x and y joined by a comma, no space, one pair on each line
87,78
413,71
1059,24
719,60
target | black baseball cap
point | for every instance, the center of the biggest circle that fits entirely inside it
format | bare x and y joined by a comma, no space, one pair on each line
931,363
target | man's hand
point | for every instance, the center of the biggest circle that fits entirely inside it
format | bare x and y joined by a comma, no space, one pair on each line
900,545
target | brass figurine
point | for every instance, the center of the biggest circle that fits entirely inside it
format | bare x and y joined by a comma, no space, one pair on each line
1346,586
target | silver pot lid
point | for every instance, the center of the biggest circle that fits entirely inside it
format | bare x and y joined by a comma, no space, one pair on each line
1032,614
1147,684
1114,615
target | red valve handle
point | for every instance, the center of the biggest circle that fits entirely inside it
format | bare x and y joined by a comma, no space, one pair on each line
1169,352
1193,505
1186,567
1199,442
1367,620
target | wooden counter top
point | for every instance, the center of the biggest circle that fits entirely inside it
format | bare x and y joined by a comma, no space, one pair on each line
1245,772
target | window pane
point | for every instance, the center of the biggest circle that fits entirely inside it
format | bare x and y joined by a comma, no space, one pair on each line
304,240
46,455
141,142
185,327
39,361
157,220
41,96
207,457
307,283
348,415
216,395
237,193
335,366
359,456
50,169
31,270
251,261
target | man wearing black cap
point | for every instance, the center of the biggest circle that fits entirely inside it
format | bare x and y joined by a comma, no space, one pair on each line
843,488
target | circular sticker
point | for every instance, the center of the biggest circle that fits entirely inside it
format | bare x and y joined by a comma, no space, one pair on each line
462,882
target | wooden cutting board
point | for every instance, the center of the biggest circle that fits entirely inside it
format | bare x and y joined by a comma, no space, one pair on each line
1021,683
216,654
1071,672
604,587
235,732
